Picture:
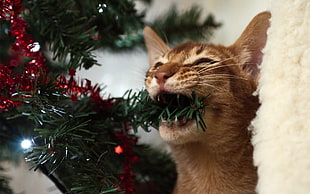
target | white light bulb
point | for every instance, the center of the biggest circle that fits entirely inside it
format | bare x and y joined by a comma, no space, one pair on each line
35,47
26,144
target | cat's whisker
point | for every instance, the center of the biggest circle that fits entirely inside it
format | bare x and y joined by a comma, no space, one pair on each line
139,75
200,91
216,64
229,58
138,81
138,72
208,68
207,80
221,76
213,80
210,85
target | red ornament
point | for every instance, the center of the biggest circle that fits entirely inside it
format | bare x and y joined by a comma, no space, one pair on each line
118,149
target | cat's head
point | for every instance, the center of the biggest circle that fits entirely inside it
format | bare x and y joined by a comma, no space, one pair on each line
228,74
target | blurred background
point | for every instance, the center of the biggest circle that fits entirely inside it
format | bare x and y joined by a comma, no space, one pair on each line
120,71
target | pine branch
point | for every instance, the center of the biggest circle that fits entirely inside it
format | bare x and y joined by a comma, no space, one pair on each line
174,26
73,29
63,26
76,139
160,174
56,181
145,113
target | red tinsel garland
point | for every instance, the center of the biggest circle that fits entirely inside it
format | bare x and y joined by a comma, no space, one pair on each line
127,177
84,88
17,86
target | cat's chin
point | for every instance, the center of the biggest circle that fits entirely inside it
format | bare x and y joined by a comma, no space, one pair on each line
179,134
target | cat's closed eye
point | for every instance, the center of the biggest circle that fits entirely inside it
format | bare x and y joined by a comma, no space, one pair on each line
204,60
157,65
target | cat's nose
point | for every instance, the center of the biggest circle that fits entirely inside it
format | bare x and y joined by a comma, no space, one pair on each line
162,76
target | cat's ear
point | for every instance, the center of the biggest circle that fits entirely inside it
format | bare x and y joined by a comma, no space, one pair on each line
154,44
251,42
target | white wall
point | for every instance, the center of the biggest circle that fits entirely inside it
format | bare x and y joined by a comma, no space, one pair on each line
122,71
25,181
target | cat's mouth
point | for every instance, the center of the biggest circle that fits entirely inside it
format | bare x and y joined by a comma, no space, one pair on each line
173,99
173,103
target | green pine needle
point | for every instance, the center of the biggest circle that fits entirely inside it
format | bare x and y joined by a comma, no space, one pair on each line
144,112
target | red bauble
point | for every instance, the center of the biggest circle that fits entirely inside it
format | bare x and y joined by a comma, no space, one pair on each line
118,149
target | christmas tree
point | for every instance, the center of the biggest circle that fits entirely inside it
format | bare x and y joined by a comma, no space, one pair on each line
83,142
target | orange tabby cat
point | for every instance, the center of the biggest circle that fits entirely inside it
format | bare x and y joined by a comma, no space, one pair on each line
218,160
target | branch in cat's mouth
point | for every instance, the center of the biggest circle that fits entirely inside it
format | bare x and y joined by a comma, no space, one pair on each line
178,109
173,100
170,102
169,108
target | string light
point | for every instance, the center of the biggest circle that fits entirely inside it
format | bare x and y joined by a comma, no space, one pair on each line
101,7
118,149
34,47
26,144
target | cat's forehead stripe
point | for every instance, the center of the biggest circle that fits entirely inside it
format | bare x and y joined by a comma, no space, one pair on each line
189,52
197,52
162,59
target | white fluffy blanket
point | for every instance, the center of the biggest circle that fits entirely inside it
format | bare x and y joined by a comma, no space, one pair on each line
282,127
